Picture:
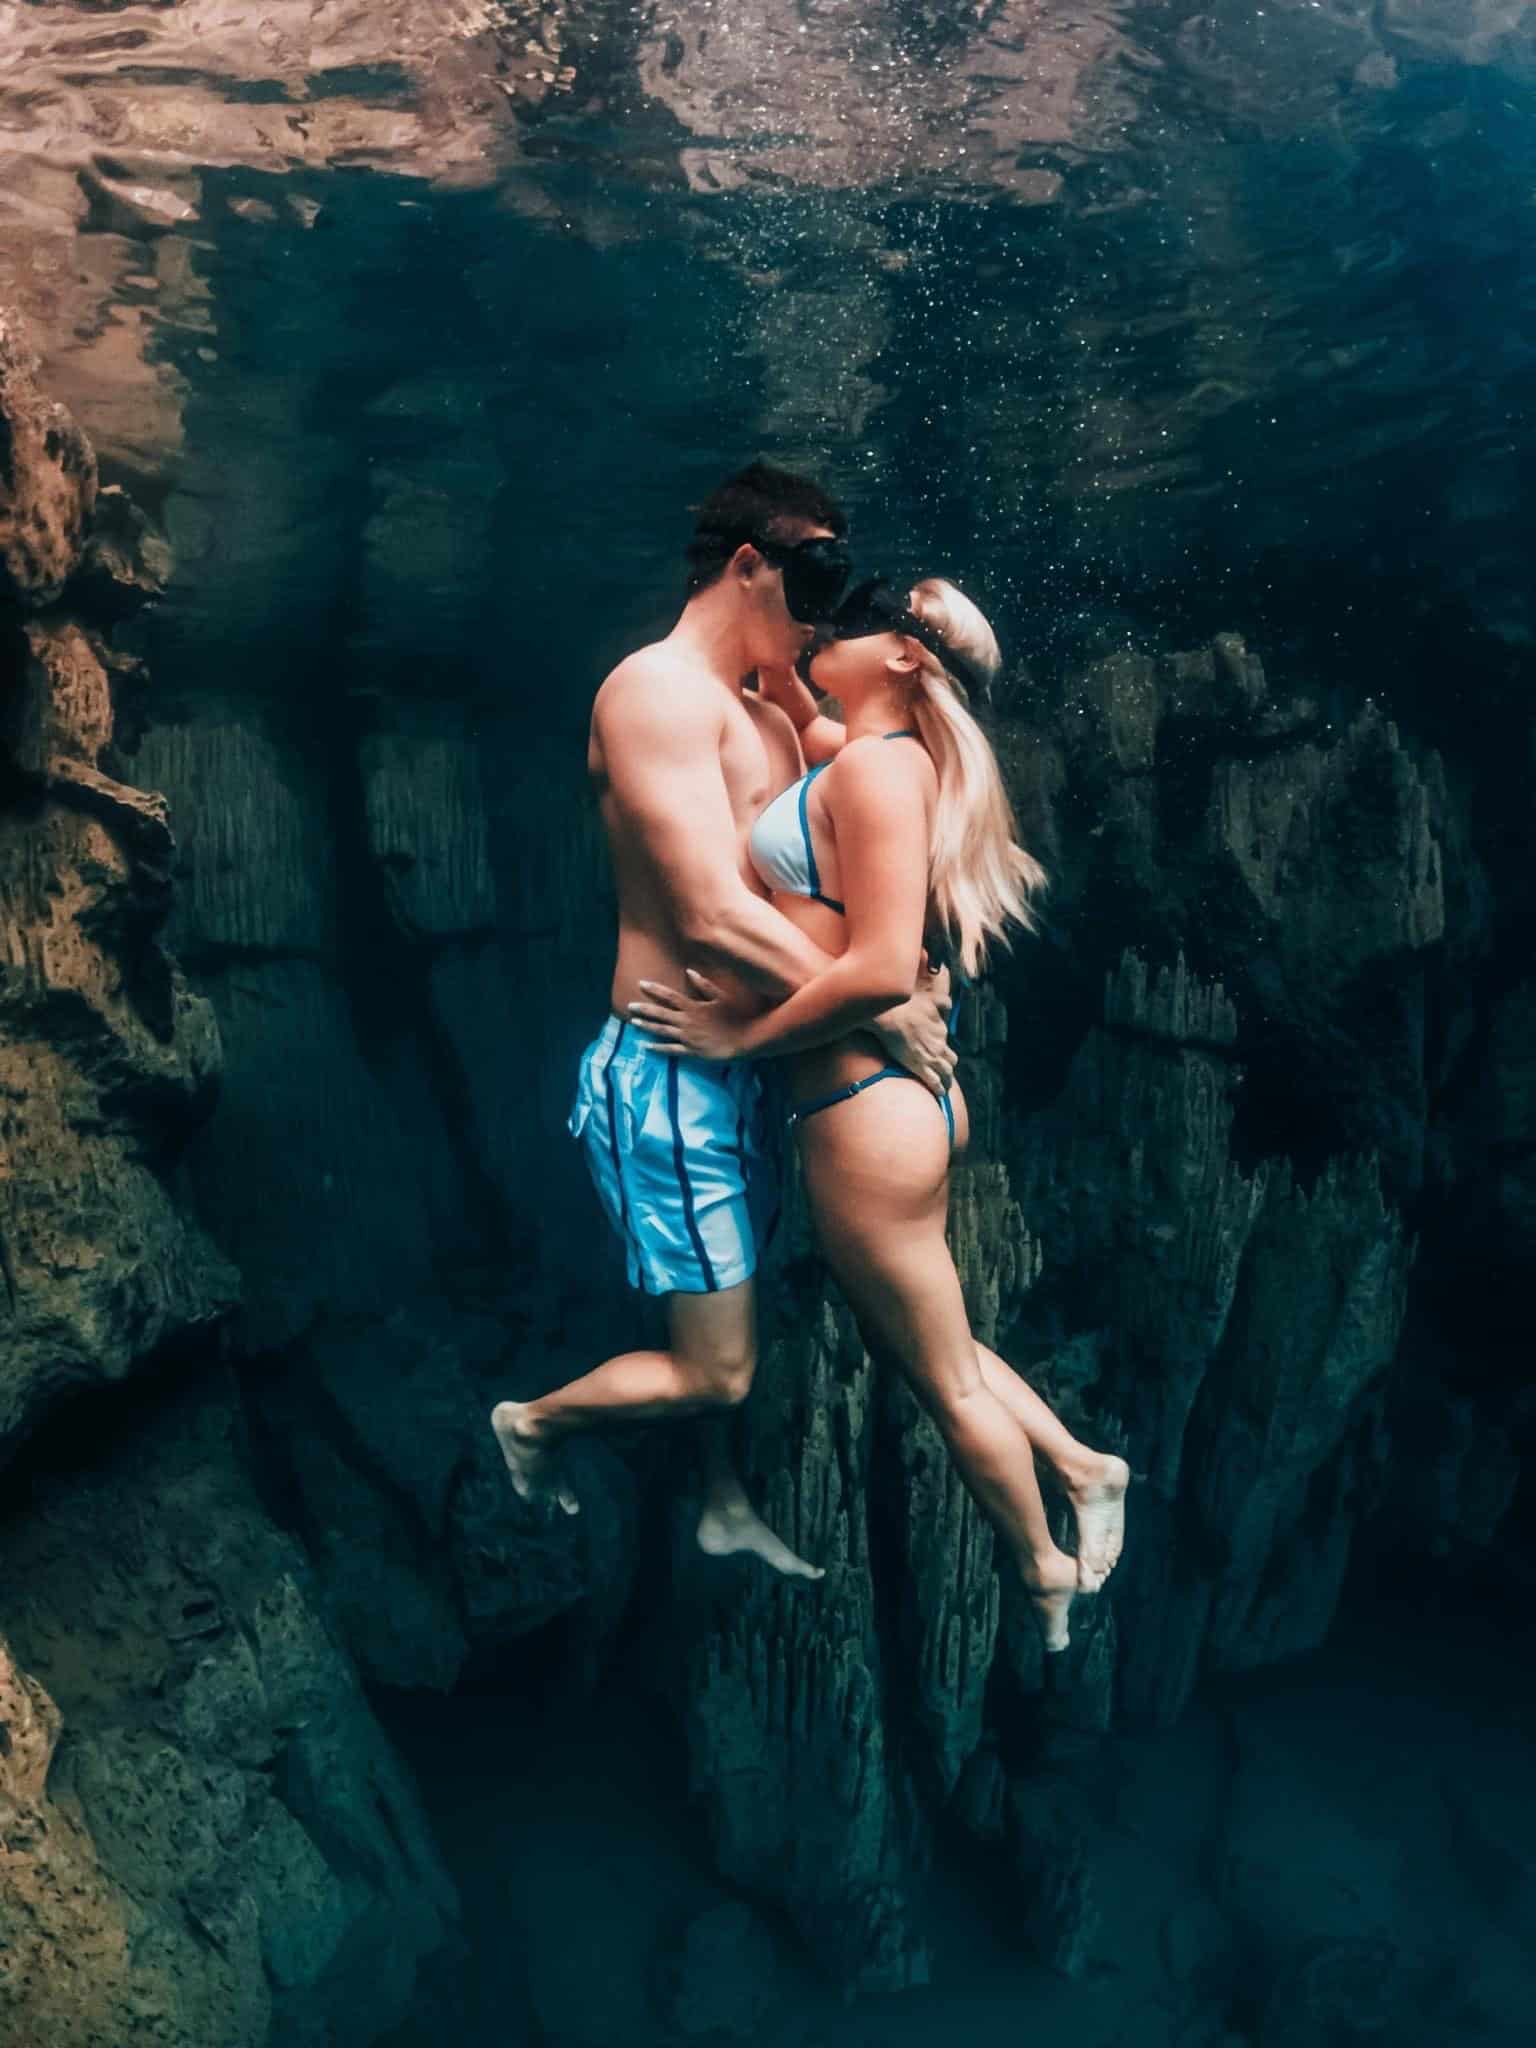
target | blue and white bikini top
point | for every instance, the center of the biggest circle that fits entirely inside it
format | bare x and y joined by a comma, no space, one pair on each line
783,846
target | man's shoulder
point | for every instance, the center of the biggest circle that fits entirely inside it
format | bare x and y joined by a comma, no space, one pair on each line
656,682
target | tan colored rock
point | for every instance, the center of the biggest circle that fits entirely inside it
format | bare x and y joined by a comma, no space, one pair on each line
47,480
219,1846
105,1053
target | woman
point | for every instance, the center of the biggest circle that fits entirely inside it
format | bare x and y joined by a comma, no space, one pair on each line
901,836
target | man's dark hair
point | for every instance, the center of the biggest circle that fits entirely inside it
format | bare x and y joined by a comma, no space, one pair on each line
757,500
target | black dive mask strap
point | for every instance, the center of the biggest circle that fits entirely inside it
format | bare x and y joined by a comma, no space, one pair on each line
875,607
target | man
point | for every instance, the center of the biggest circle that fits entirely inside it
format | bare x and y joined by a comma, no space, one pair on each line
684,758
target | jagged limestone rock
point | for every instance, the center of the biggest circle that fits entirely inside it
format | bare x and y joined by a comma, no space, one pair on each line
786,1732
1322,873
1232,1405
1128,1181
47,480
107,1058
350,1167
425,809
949,1614
126,563
1314,1324
307,1172
1179,809
429,813
1216,823
425,1555
219,1845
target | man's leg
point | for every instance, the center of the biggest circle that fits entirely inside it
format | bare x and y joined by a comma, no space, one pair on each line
712,1370
729,1523
707,1367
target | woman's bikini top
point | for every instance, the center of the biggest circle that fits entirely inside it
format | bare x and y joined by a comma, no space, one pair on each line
784,849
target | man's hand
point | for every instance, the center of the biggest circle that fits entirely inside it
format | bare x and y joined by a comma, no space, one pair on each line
915,1034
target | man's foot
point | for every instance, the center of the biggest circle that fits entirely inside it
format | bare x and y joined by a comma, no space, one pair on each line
732,1525
1052,1585
1098,1503
528,1460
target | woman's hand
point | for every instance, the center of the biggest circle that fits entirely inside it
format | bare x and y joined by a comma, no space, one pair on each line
782,686
700,1024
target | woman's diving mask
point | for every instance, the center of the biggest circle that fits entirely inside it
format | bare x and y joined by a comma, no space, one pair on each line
876,606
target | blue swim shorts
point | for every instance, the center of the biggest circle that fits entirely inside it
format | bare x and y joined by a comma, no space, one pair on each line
683,1157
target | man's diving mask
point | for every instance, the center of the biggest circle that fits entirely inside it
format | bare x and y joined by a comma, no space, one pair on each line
876,607
815,573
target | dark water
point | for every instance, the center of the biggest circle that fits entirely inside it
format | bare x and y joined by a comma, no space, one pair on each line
1140,321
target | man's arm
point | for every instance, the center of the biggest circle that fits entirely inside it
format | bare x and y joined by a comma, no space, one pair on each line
820,737
661,749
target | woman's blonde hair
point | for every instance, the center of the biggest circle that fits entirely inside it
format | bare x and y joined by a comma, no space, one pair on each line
980,880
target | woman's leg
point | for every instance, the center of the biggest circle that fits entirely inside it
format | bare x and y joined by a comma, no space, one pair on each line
877,1175
1094,1482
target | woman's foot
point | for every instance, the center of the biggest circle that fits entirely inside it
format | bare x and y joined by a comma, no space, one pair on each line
527,1459
730,1523
1052,1585
1097,1495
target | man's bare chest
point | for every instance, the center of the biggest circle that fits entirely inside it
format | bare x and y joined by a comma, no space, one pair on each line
758,758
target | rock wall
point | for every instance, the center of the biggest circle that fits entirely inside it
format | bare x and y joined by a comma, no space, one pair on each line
1217,1105
1226,1316
205,1835
108,1057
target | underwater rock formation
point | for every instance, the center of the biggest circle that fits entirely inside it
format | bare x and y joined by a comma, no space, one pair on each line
373,1137
206,1835
1202,1104
1227,1321
1224,1313
219,1845
48,483
107,1055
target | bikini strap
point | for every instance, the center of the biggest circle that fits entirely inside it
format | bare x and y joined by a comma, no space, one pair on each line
907,732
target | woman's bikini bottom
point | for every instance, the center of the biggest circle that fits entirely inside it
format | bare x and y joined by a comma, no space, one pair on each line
820,1102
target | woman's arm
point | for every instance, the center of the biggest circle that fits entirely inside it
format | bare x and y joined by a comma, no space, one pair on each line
820,737
879,799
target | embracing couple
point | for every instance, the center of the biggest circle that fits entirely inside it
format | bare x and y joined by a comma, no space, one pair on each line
827,875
